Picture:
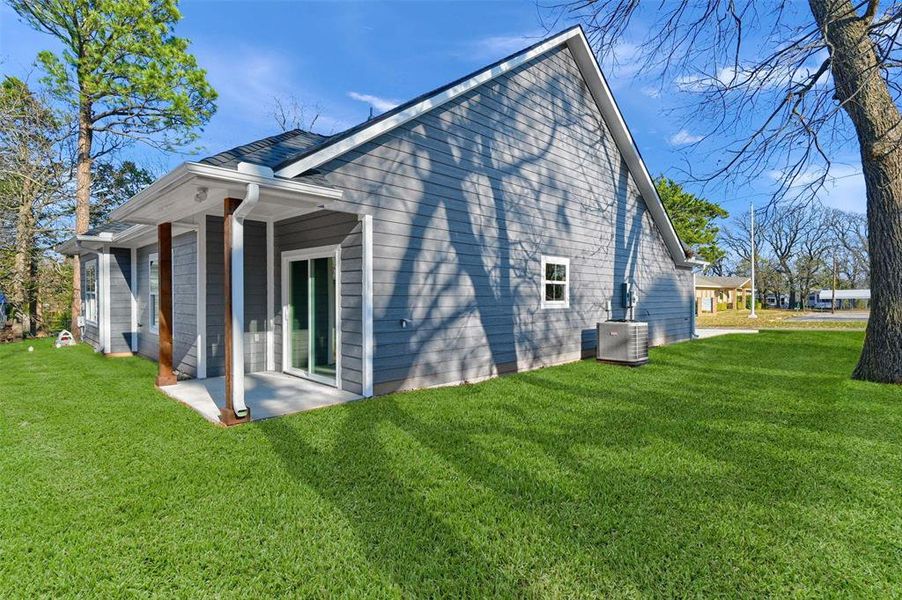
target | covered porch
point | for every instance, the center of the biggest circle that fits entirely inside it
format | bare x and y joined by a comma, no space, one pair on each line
265,281
267,394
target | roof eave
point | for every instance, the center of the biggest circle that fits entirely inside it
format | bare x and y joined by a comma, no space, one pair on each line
186,172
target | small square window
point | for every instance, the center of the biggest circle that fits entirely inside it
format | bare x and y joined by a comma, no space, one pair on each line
555,282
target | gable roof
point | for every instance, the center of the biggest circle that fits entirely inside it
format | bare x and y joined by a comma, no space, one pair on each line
575,40
268,152
711,281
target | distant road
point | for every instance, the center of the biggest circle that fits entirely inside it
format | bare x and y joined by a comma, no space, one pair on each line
849,315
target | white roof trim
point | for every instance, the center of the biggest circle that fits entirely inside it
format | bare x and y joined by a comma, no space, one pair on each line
582,53
598,86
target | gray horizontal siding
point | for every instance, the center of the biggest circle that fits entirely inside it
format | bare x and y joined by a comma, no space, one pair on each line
215,299
254,297
326,228
467,198
184,304
120,300
148,341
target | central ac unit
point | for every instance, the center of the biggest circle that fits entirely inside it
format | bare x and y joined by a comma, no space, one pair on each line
623,342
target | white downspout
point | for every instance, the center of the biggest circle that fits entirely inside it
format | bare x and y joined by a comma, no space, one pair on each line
250,200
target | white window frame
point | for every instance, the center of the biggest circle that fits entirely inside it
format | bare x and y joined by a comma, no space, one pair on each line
96,308
555,260
153,315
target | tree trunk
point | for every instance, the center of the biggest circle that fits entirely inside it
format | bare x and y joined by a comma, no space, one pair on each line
82,202
23,280
866,99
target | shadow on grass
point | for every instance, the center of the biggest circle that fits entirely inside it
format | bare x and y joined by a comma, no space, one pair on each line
588,478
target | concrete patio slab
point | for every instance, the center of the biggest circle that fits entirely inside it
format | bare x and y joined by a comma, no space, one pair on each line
267,394
833,317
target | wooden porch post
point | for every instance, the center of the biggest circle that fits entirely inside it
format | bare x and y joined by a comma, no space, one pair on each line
227,415
165,375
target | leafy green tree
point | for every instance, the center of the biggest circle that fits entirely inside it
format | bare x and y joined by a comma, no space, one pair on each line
114,184
693,218
124,76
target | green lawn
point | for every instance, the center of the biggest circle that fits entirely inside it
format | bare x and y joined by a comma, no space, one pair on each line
740,465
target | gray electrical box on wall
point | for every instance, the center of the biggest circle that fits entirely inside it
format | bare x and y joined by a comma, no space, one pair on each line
629,294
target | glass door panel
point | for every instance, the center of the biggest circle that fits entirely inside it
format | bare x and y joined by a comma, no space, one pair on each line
299,315
322,316
311,306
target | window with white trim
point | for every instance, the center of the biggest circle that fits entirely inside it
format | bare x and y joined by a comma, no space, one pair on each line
91,291
555,282
153,299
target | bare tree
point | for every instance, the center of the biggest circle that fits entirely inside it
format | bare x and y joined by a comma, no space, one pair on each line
814,259
290,113
784,91
850,234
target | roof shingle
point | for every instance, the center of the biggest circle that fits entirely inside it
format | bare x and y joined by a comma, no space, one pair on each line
268,152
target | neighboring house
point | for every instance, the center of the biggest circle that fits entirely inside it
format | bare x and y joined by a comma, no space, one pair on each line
774,300
479,229
730,291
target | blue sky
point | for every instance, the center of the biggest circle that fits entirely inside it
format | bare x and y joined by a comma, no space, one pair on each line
344,57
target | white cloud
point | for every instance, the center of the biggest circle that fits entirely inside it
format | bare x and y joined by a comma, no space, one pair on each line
683,137
844,187
498,46
746,76
623,61
248,78
380,104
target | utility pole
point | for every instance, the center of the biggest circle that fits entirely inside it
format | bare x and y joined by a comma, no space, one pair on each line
833,297
753,314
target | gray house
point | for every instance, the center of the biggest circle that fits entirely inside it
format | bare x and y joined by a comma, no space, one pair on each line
482,228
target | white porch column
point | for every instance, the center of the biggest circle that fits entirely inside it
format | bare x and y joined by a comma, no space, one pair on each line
104,295
202,297
367,276
270,297
134,299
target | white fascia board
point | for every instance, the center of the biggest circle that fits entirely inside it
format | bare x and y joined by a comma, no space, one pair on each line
601,92
378,128
186,172
154,190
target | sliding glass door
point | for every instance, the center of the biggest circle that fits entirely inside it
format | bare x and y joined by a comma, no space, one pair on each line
310,315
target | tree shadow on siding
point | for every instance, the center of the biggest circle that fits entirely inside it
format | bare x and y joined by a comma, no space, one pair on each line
491,173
